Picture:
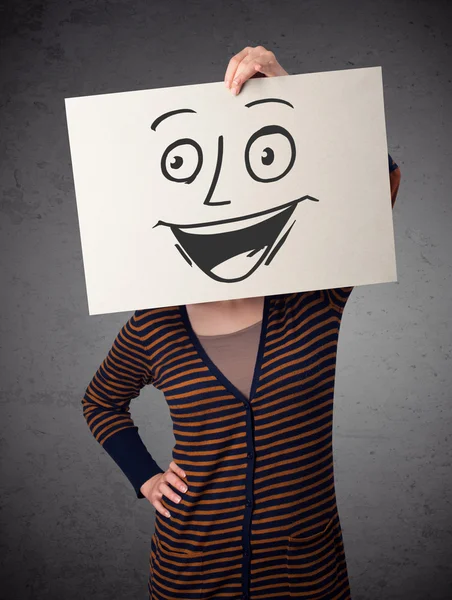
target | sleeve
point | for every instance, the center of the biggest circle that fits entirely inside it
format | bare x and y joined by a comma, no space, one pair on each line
106,405
338,297
392,165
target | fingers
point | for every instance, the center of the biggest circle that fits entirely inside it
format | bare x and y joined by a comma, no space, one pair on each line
160,508
177,469
173,477
233,64
247,63
245,71
174,480
165,490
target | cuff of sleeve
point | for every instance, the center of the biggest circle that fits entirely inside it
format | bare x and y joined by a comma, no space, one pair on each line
126,448
392,164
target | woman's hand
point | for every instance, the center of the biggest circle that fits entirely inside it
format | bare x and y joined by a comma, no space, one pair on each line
154,488
247,63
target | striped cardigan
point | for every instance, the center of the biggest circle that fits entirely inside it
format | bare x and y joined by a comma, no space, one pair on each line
259,519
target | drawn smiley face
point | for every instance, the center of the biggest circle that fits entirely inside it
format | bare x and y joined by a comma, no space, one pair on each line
230,250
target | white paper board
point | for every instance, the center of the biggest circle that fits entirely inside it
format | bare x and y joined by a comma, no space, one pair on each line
166,205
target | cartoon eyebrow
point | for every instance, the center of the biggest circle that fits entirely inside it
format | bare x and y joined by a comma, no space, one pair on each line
158,120
268,100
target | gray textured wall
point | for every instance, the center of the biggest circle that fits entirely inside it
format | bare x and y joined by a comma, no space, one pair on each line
71,525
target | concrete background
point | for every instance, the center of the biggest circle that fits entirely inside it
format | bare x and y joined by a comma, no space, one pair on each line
71,526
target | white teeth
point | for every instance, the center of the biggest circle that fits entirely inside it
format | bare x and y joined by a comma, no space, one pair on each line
238,266
231,226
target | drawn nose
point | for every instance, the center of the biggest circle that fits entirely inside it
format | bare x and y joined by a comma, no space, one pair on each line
216,175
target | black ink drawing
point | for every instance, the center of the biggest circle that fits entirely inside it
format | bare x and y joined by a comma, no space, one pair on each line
222,249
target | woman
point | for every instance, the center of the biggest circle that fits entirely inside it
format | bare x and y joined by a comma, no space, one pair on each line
247,508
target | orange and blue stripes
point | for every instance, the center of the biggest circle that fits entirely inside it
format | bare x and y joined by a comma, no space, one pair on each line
259,519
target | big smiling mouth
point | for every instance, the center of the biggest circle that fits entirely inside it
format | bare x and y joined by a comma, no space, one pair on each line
231,250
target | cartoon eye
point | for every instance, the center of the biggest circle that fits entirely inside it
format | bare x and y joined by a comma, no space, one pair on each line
182,161
270,153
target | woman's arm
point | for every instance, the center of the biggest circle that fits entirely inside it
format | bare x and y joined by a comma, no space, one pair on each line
106,404
394,178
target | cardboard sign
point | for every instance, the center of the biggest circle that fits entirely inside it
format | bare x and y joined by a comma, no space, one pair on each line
190,194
